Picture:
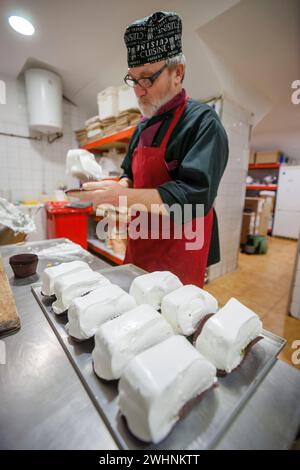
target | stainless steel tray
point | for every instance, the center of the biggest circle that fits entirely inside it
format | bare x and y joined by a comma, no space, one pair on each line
207,421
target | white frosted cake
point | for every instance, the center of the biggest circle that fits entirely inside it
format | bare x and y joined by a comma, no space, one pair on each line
67,287
50,275
121,339
87,313
185,307
151,288
226,334
158,383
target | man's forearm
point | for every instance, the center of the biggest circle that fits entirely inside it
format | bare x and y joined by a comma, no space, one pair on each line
149,198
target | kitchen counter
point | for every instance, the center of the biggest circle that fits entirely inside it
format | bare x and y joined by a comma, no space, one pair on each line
43,404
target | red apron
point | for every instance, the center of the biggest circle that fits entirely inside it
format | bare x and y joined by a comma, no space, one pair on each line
150,171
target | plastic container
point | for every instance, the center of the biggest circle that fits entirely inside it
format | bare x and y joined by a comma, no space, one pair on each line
108,103
67,222
24,264
127,99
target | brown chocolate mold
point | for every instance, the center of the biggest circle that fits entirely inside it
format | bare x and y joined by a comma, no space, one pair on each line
24,264
74,190
77,340
200,327
125,423
183,412
50,297
188,406
105,381
59,314
223,373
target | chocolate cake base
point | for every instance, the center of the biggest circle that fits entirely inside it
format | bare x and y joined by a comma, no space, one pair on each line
223,373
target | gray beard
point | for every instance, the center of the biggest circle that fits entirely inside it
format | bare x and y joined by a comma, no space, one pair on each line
149,110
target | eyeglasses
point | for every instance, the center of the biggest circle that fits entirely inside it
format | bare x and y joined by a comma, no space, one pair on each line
144,82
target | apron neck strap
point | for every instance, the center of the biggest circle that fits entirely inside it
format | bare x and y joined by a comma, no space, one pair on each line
177,115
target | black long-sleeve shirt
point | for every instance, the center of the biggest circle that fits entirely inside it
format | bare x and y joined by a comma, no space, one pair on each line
199,144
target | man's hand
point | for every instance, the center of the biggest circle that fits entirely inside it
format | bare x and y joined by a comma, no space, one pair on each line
106,184
102,193
94,186
109,192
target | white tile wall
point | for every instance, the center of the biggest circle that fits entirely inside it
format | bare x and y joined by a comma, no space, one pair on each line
295,300
28,167
230,200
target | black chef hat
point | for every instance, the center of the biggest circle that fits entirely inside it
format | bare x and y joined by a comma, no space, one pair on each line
153,38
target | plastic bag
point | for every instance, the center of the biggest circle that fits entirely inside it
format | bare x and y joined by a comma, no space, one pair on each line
14,218
82,165
66,251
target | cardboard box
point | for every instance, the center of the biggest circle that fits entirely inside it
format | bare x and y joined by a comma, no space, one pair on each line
247,226
262,209
254,204
269,198
267,157
265,216
252,156
9,237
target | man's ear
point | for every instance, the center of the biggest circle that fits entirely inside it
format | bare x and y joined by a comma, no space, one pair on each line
179,74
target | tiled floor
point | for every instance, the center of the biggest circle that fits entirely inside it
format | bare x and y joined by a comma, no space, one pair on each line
262,283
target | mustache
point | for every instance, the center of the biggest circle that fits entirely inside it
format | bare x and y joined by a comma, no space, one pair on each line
148,109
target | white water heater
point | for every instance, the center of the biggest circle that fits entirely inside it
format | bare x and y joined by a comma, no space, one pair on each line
44,100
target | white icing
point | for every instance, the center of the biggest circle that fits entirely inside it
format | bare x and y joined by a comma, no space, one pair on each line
121,339
184,307
151,288
69,286
87,313
227,333
157,383
50,275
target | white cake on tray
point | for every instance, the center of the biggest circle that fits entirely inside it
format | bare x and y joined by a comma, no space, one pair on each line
121,339
67,287
151,288
86,314
52,274
185,307
158,383
225,336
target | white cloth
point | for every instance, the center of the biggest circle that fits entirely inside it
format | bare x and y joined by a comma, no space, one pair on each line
82,165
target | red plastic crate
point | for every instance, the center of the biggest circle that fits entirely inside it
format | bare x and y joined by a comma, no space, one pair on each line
67,222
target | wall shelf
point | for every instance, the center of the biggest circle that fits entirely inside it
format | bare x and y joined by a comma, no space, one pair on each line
258,187
117,140
259,166
99,247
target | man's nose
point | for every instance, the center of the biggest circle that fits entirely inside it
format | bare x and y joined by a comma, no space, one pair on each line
139,91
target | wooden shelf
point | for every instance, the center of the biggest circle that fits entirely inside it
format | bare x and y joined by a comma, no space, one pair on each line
100,248
257,187
117,140
96,218
259,166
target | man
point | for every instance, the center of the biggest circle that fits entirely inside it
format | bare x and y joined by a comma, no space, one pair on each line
177,155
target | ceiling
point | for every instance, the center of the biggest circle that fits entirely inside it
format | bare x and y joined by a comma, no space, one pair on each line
248,49
258,41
